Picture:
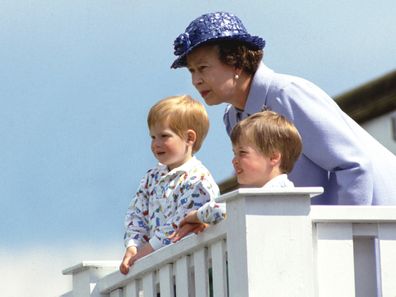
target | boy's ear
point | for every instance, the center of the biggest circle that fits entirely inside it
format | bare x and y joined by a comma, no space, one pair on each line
275,158
191,136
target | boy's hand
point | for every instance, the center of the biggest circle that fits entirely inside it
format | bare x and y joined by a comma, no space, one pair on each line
132,254
189,224
143,251
126,261
186,229
190,218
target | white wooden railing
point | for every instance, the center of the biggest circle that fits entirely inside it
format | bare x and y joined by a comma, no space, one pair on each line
273,243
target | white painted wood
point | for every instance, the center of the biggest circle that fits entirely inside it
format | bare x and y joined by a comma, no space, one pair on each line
166,281
334,259
116,293
365,266
162,257
387,243
269,244
201,273
237,248
149,285
365,230
270,248
132,289
87,273
106,266
268,192
353,213
182,277
82,285
219,269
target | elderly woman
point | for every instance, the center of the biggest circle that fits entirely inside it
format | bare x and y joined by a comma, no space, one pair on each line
225,65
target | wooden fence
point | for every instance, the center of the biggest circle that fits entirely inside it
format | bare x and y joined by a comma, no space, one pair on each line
273,243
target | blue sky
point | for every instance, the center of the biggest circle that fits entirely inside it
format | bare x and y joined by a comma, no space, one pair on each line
77,79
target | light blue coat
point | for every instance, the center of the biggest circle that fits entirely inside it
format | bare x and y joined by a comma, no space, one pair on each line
339,155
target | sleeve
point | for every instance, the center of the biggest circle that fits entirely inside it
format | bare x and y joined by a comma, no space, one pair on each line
329,140
194,193
212,212
136,219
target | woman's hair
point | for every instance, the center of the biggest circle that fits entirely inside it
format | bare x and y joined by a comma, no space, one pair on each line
238,54
181,113
270,132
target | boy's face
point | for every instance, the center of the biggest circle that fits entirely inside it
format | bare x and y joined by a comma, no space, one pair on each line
252,168
169,148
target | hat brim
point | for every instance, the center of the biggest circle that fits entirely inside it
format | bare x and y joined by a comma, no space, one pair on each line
254,42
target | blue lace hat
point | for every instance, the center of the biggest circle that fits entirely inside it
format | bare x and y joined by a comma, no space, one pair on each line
212,26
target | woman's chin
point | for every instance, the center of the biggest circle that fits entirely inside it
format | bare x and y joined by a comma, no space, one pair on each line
212,101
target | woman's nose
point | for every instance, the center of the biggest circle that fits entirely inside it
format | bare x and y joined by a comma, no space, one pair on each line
196,79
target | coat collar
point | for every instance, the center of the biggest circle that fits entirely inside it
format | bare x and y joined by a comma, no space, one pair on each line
257,98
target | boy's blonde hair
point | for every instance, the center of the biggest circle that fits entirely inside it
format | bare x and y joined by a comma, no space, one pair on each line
270,132
181,113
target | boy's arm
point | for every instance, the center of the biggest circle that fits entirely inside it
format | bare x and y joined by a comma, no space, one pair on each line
126,261
196,220
142,251
132,254
136,218
211,212
136,226
189,224
199,193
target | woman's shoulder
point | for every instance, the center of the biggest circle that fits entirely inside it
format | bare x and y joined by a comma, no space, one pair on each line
281,82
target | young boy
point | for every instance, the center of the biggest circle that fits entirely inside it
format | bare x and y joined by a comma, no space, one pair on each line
177,185
266,145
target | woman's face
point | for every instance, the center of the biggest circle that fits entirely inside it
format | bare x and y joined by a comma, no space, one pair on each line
214,80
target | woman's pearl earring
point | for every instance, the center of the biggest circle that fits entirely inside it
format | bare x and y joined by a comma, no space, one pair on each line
236,76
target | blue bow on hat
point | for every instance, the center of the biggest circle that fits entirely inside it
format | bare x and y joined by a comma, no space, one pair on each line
212,26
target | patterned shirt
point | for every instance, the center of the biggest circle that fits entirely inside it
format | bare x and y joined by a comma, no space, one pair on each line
165,197
212,212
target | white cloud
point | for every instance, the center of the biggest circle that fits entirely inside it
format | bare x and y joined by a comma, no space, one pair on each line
37,271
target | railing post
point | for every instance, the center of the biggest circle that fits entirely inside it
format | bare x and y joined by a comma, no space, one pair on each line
269,242
86,274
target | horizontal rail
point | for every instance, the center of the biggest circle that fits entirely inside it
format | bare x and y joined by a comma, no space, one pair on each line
353,214
163,256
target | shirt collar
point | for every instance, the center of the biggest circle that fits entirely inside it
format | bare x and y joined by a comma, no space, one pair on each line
280,181
257,98
186,167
